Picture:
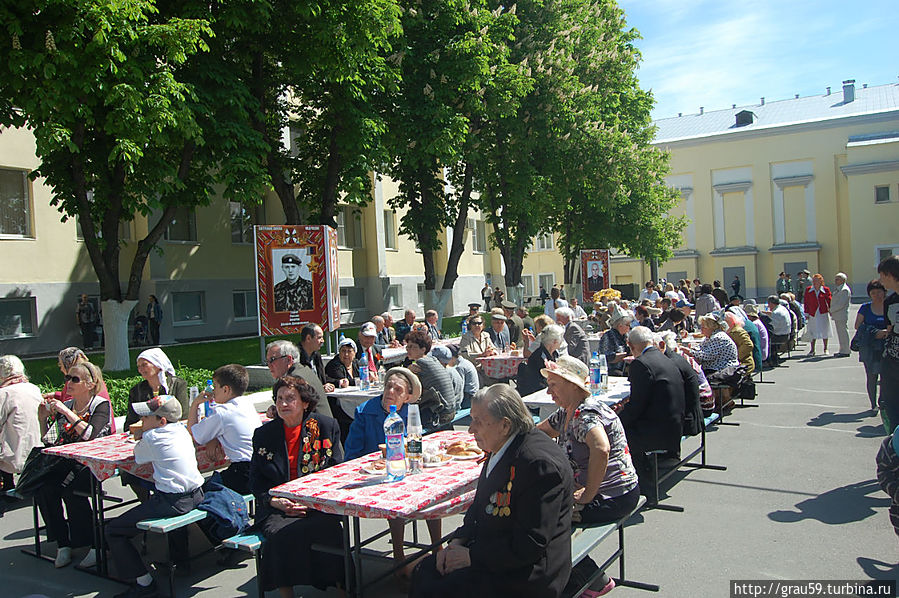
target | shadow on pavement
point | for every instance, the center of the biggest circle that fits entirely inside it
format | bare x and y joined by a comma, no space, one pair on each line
878,569
871,431
837,506
831,417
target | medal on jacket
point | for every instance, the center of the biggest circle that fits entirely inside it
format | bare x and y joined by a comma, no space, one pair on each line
501,502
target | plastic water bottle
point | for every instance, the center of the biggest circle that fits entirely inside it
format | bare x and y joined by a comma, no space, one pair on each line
595,375
413,446
394,433
363,373
382,376
464,325
604,372
209,405
193,393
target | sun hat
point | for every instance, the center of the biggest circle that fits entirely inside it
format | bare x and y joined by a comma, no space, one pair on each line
165,406
413,380
368,329
568,368
346,342
751,309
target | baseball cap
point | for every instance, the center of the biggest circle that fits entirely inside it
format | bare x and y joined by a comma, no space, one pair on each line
441,354
683,303
165,406
368,329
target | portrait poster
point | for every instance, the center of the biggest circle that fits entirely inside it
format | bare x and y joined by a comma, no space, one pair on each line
296,278
594,272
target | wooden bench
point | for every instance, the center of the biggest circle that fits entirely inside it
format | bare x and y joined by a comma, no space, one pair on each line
585,538
657,479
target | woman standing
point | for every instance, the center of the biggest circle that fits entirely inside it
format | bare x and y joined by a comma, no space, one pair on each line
870,350
295,443
605,481
154,317
83,417
816,305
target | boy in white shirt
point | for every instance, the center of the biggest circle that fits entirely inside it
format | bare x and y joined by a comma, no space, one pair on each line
168,446
231,424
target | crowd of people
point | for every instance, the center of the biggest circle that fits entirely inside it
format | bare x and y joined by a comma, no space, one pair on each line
587,463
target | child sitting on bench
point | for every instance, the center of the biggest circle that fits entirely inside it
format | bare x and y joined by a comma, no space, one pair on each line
230,426
168,446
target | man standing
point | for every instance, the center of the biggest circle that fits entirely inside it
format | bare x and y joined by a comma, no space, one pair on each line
574,336
283,358
736,285
486,295
86,318
839,312
513,322
653,417
404,326
293,293
889,369
311,340
802,282
782,286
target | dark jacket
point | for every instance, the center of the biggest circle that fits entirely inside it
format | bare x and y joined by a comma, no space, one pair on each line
367,429
693,420
530,380
525,551
141,393
335,371
515,325
654,415
305,372
578,347
313,362
269,466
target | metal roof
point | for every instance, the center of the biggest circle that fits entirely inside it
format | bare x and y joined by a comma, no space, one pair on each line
780,113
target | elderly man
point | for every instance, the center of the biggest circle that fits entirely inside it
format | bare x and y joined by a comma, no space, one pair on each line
499,332
781,326
839,312
283,359
653,417
526,320
513,322
803,281
367,350
470,381
431,318
445,356
752,314
575,337
311,340
579,313
404,326
293,293
382,334
391,331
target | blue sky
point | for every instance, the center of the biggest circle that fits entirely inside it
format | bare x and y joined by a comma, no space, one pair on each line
717,53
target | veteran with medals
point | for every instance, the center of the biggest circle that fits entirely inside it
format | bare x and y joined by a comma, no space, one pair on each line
293,293
516,536
295,443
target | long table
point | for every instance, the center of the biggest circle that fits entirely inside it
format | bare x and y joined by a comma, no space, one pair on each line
619,389
347,491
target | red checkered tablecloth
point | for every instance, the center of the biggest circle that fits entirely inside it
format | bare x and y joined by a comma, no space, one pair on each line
345,490
500,367
106,454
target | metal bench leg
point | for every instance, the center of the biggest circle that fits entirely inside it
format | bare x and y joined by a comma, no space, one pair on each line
624,581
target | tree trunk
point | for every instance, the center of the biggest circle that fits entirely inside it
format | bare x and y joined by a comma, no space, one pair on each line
438,299
332,180
457,247
115,334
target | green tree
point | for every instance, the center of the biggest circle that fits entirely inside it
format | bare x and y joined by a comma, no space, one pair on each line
118,130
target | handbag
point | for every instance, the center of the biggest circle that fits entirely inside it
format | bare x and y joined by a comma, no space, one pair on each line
41,469
856,343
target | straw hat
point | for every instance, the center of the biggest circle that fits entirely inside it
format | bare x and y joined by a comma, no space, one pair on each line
570,369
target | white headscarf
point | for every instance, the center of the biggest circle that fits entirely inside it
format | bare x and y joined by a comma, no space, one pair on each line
160,360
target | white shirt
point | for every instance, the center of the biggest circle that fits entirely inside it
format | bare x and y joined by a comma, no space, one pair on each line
233,424
651,295
171,451
579,313
549,310
495,457
780,320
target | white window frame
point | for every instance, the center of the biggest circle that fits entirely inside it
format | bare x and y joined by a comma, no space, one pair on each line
540,276
351,301
544,242
478,235
191,322
422,293
394,297
879,248
249,299
31,310
192,226
390,235
28,201
246,232
345,214
530,281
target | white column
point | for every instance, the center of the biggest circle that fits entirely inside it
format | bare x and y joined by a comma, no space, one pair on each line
750,217
780,234
690,211
379,225
810,220
780,183
718,211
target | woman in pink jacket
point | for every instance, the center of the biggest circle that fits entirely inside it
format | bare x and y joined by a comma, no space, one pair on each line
816,304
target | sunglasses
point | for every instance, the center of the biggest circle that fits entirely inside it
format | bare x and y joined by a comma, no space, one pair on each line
478,323
74,379
272,360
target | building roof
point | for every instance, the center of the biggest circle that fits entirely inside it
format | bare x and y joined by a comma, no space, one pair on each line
781,113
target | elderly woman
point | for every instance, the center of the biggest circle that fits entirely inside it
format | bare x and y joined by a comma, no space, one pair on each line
605,481
515,539
401,387
742,339
872,323
295,443
613,344
344,370
532,342
529,378
816,305
476,342
67,358
718,350
83,417
19,428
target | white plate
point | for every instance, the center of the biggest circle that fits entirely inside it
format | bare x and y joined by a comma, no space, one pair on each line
370,471
439,463
463,458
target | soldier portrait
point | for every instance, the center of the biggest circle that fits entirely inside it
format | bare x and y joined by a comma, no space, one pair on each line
294,293
595,280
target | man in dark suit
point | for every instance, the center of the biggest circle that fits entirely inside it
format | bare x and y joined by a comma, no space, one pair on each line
515,539
693,420
575,337
513,322
653,417
595,281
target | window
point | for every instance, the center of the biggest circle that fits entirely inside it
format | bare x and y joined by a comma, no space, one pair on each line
244,305
881,194
349,227
544,242
547,281
189,307
242,220
422,294
394,296
352,298
885,252
183,227
15,203
389,229
18,317
478,235
528,281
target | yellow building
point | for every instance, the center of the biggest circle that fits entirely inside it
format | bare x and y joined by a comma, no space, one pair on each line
808,182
